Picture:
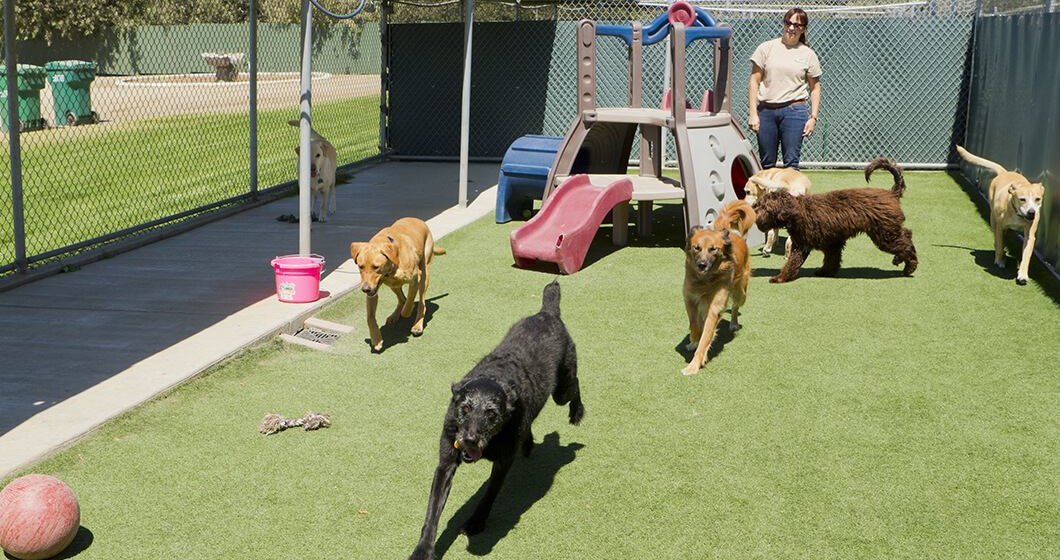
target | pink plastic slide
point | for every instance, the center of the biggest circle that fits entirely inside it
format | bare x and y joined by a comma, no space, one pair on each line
562,231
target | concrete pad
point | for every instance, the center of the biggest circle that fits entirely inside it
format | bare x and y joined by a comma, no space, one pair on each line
91,345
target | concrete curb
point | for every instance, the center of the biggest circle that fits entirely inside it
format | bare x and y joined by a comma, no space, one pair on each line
66,422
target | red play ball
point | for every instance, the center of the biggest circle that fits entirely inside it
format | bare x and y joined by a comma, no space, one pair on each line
39,517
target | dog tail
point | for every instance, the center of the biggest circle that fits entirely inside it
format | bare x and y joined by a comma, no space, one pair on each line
889,164
971,158
550,300
438,250
736,215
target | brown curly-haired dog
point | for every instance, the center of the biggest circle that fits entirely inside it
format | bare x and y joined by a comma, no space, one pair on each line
826,221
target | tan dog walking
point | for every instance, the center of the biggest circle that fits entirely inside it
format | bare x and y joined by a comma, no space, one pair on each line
776,179
1015,203
717,268
399,254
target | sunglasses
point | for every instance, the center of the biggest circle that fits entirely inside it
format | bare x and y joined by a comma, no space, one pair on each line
794,23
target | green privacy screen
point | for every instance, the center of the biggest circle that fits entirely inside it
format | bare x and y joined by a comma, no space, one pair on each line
1014,115
892,86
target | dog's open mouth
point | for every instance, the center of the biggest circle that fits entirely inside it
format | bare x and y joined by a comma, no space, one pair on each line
470,454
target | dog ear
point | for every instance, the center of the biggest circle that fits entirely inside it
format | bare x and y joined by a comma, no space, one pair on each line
1012,189
457,387
691,232
355,249
511,397
391,251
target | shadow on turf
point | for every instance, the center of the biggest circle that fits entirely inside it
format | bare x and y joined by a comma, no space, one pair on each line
401,331
82,540
722,337
859,272
528,481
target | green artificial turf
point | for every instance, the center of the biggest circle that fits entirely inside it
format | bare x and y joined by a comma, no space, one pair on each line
865,416
81,187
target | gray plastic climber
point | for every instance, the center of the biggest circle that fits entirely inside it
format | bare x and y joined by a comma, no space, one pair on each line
713,154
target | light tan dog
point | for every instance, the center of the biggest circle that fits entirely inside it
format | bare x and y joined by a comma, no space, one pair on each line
323,163
399,254
717,268
1015,203
776,179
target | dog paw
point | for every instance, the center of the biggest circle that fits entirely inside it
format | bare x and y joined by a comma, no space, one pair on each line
417,330
377,347
1000,264
1020,281
733,327
776,280
393,318
766,253
689,370
691,346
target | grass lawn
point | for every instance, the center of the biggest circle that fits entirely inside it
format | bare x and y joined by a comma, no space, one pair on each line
82,187
865,416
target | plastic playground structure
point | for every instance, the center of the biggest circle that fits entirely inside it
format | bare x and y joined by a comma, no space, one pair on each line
714,156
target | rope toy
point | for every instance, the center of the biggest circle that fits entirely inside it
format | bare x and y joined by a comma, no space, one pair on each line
273,423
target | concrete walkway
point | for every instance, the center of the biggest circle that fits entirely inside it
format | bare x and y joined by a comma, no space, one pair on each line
83,347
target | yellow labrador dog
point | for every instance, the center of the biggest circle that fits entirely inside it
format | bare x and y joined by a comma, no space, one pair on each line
776,179
399,254
1015,203
323,163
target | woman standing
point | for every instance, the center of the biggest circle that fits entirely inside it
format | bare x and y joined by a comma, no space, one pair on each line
784,92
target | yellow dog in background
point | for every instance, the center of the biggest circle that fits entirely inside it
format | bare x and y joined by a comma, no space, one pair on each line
399,254
776,179
323,165
1015,203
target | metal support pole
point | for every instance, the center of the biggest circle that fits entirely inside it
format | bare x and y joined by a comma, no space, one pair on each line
465,101
18,217
253,50
305,219
384,74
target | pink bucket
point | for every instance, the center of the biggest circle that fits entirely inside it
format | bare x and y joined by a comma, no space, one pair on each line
298,277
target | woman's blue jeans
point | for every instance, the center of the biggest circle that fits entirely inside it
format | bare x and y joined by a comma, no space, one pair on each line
783,126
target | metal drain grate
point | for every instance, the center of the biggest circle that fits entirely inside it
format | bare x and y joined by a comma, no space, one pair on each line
316,335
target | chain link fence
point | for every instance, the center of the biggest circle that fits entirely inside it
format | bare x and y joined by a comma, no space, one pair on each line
144,129
895,78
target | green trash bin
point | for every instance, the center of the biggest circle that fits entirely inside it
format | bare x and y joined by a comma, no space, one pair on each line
30,82
71,82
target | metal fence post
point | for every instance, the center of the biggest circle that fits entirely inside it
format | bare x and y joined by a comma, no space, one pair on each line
253,52
18,217
304,196
384,73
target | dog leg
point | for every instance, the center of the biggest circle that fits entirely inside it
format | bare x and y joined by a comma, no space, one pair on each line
373,326
771,237
425,279
901,246
790,271
323,204
833,255
477,522
408,303
787,248
443,482
999,247
396,315
1028,252
567,388
739,296
717,305
695,323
